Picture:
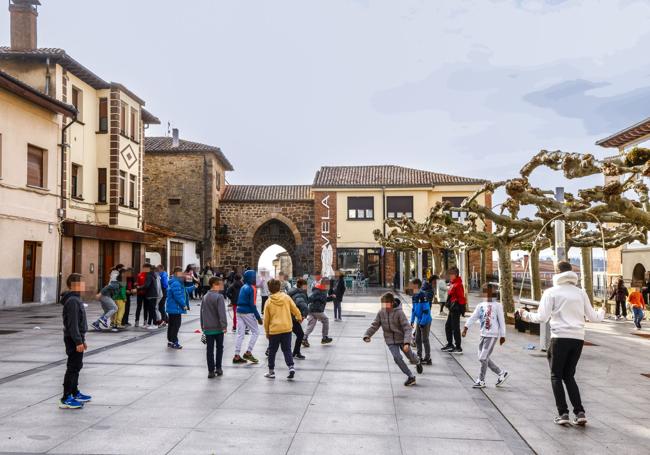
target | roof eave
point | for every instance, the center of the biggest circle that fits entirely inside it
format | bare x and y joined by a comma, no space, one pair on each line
25,91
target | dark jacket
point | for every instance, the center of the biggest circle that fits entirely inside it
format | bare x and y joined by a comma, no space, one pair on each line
74,317
233,291
301,300
339,289
149,288
213,312
428,291
620,294
318,300
394,324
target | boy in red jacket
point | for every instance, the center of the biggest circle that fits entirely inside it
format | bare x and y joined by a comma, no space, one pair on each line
456,304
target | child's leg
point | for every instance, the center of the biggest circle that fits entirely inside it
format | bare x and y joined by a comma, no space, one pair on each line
326,323
219,357
396,351
119,315
251,323
274,344
73,367
138,308
418,340
241,332
209,351
234,316
285,345
297,330
412,356
486,346
311,324
425,340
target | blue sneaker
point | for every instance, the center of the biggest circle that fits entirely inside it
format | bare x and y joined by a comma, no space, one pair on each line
103,321
176,346
81,398
70,403
96,326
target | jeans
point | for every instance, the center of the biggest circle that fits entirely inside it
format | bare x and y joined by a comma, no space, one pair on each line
396,351
73,367
127,309
638,316
563,355
300,335
621,308
422,339
150,313
108,307
264,299
246,321
138,308
119,316
282,341
337,309
452,326
173,326
311,323
485,348
161,306
214,362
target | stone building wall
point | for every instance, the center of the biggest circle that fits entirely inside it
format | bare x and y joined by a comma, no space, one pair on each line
325,219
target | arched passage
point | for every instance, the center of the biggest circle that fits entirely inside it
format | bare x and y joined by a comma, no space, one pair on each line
275,232
638,275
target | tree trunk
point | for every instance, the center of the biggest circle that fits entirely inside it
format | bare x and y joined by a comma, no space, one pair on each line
467,279
587,272
535,280
505,278
483,275
438,261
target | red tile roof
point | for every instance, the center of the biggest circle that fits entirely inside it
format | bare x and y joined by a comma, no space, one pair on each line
385,175
262,193
627,135
163,144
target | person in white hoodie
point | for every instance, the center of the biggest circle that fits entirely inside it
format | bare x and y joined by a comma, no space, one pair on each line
493,328
567,307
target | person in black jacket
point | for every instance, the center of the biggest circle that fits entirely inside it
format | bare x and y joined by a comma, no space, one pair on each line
150,293
317,301
338,291
75,327
299,296
233,295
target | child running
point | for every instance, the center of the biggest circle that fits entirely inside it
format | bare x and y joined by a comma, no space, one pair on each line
638,305
214,322
397,335
247,316
74,337
176,304
421,320
317,301
278,325
299,296
109,307
493,326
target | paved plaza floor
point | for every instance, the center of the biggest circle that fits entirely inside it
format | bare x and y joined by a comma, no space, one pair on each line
348,397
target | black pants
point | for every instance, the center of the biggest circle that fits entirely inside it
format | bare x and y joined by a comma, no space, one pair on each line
337,309
563,355
161,306
282,341
452,326
127,309
620,308
150,310
174,325
264,299
300,335
138,309
74,366
422,339
214,362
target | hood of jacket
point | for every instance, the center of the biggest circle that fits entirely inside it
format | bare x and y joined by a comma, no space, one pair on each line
277,299
249,277
565,278
68,294
294,291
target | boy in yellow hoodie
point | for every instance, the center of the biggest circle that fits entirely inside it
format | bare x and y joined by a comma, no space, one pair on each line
278,326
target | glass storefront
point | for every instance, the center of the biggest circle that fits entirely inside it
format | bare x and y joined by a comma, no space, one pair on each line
360,263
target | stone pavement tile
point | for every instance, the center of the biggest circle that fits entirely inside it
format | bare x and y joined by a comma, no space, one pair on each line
348,423
365,365
355,389
262,402
47,414
138,416
334,403
236,419
440,408
148,371
471,428
34,439
13,392
425,446
306,371
11,368
211,442
104,441
208,399
330,444
280,385
350,377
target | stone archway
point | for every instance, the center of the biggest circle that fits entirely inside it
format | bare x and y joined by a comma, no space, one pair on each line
274,232
638,275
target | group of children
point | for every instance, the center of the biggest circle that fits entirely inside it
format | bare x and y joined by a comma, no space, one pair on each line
634,297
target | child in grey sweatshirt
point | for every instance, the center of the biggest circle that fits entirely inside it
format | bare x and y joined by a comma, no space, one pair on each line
214,322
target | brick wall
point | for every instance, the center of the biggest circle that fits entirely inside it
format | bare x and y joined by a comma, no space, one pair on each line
325,225
389,267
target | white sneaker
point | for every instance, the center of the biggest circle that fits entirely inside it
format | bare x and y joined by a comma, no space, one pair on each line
137,323
152,327
478,384
502,378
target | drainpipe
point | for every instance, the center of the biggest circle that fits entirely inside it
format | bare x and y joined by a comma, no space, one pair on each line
206,222
59,275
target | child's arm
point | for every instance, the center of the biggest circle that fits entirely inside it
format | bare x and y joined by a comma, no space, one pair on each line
406,328
294,310
502,322
413,311
267,322
221,312
373,328
473,318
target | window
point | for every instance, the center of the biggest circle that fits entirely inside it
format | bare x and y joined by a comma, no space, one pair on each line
77,101
103,115
101,185
399,206
132,192
361,208
35,166
174,201
455,202
76,181
122,187
217,179
123,118
134,124
175,255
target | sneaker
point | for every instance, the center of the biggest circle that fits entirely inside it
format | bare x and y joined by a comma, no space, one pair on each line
270,374
211,375
81,398
234,330
305,343
219,372
176,346
419,368
292,373
70,403
137,323
152,327
447,348
237,359
427,361
114,329
96,325
248,356
580,419
502,378
562,419
103,321
266,353
410,381
247,332
170,344
299,356
478,384
457,351
128,324
326,340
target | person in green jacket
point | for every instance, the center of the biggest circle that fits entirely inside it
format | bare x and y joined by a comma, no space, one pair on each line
120,300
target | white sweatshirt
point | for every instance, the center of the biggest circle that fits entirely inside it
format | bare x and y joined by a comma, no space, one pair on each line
490,315
566,306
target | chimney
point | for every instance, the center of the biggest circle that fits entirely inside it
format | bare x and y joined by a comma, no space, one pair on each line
23,24
175,141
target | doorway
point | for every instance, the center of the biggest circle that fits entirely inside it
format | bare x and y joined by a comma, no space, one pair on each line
106,262
29,270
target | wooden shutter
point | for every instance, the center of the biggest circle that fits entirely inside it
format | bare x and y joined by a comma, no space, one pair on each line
35,166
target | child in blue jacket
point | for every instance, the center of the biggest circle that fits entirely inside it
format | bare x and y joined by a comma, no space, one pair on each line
177,304
421,321
248,318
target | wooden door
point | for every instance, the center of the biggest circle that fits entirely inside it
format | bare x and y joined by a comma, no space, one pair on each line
29,271
108,261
